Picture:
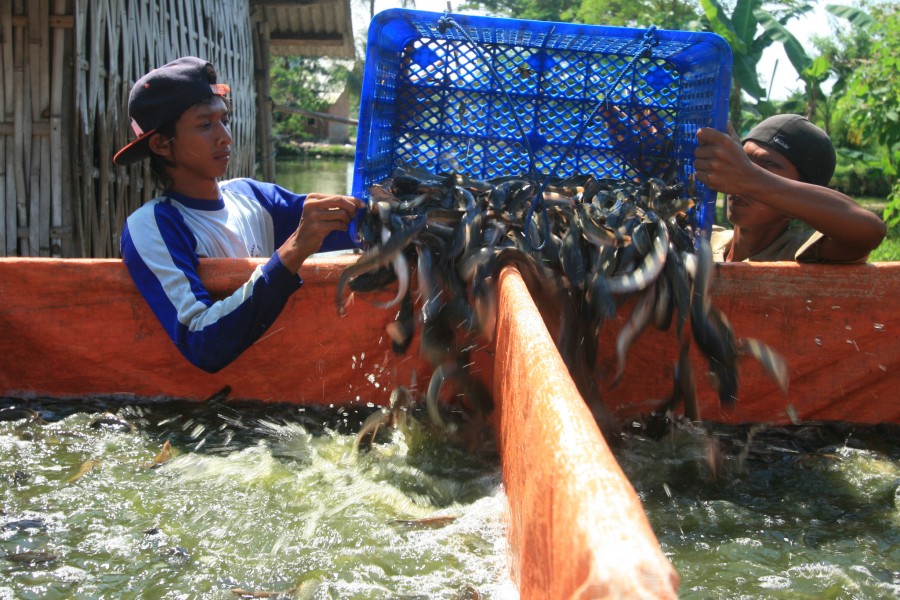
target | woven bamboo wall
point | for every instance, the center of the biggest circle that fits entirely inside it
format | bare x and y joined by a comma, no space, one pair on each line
66,68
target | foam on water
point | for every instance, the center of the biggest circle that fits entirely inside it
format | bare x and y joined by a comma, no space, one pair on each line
270,504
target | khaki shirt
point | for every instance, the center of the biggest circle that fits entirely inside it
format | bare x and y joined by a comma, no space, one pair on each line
796,243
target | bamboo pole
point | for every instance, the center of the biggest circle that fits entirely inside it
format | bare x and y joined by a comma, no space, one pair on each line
7,214
263,101
313,113
39,44
19,168
56,137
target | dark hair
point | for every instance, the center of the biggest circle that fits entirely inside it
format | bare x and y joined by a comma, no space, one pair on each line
159,165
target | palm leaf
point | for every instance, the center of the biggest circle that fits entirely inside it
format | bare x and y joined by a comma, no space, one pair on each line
792,47
857,17
722,25
744,19
744,70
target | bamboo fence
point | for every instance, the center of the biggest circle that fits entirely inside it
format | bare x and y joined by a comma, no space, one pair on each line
67,67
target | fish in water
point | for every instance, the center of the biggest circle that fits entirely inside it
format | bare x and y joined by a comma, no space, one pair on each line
113,421
24,524
165,455
242,593
401,401
31,557
85,468
14,413
426,523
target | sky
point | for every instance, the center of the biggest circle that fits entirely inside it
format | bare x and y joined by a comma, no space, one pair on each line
784,80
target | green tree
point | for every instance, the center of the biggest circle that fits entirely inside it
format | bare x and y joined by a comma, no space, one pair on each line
741,28
666,14
871,99
843,49
302,83
536,10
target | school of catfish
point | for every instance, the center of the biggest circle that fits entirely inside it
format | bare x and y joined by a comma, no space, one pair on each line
589,246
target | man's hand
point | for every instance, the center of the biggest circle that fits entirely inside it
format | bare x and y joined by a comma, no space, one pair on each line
720,162
322,214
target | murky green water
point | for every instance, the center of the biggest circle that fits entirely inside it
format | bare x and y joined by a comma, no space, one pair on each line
264,499
801,512
272,498
323,175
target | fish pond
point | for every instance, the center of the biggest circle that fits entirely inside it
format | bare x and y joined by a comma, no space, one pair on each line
265,499
177,500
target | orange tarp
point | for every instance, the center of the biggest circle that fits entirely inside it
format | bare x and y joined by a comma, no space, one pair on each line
79,327
835,325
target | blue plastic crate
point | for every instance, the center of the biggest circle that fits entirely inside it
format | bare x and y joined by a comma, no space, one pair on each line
475,98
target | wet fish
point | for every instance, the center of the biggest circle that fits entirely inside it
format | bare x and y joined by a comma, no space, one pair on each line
664,303
30,557
382,417
429,288
242,593
381,256
401,274
14,413
114,421
220,395
468,592
772,362
163,456
582,244
425,523
24,524
679,281
685,384
432,397
648,271
716,339
640,317
85,468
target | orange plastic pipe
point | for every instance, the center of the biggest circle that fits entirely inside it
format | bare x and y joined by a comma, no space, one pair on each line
577,527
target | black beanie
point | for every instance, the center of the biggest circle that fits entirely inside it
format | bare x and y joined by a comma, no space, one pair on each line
807,146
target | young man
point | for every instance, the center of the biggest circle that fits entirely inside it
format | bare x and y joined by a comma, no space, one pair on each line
778,175
181,117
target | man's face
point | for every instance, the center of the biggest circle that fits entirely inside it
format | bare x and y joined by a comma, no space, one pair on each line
202,142
744,211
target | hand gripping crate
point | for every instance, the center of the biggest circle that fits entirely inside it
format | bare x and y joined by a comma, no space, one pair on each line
491,97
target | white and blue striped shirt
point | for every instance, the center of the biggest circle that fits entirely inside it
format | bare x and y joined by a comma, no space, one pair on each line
163,240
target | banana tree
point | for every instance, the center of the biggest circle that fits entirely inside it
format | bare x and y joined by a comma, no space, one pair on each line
741,30
871,94
813,72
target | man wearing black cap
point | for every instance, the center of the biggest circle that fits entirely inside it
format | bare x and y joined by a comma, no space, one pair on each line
180,115
781,174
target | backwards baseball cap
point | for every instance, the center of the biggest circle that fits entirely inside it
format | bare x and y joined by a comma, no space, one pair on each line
160,97
807,146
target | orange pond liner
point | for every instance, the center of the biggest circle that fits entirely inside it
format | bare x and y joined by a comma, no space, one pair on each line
75,328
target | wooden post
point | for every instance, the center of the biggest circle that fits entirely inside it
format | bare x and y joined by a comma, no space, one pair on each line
262,49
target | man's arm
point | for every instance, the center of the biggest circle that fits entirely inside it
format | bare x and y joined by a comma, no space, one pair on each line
850,231
157,249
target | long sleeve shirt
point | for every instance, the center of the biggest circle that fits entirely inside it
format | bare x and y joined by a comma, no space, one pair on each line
163,241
